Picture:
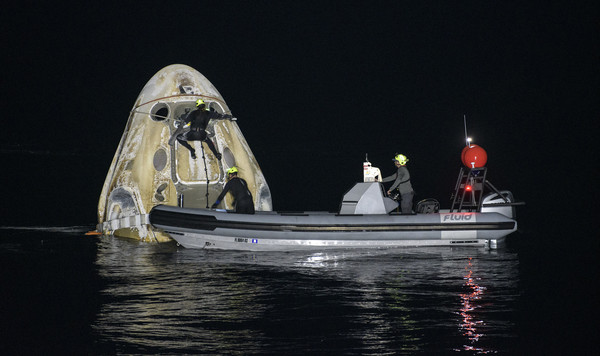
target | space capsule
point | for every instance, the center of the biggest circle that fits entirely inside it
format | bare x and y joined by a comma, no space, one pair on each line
150,167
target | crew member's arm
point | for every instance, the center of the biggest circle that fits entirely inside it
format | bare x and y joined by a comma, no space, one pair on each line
390,178
186,119
222,195
216,116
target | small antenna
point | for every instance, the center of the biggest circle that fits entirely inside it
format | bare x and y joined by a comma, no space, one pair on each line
467,138
465,122
366,157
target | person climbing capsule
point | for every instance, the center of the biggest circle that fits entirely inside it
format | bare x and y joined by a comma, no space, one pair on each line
195,124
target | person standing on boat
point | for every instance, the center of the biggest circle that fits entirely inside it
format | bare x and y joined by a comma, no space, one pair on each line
242,198
402,182
197,121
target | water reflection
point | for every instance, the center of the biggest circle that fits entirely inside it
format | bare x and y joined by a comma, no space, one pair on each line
469,324
167,299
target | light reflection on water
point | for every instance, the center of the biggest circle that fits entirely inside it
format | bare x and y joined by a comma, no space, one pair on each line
469,299
167,299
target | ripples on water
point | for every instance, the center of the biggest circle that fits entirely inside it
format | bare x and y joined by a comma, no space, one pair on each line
167,299
117,296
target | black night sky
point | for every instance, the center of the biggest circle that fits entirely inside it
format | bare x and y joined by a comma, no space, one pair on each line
315,85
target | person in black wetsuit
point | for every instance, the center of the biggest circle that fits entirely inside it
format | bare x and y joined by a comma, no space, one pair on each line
197,121
402,182
243,202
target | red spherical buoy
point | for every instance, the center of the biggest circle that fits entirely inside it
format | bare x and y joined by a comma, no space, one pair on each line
474,156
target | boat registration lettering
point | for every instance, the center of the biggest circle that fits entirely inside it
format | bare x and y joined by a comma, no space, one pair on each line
245,240
458,217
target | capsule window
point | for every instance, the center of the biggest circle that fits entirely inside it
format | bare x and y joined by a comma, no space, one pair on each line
215,106
159,112
229,157
160,159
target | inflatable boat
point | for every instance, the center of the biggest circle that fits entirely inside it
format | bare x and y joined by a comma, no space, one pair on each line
367,219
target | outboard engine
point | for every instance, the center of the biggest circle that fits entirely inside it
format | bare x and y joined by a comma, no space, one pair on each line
503,204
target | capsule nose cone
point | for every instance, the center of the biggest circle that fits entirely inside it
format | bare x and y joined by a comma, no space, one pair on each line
176,80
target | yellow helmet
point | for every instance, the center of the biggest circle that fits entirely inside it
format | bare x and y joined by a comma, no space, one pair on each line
199,103
232,170
402,159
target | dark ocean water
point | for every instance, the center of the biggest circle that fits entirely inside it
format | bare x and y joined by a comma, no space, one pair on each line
66,293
